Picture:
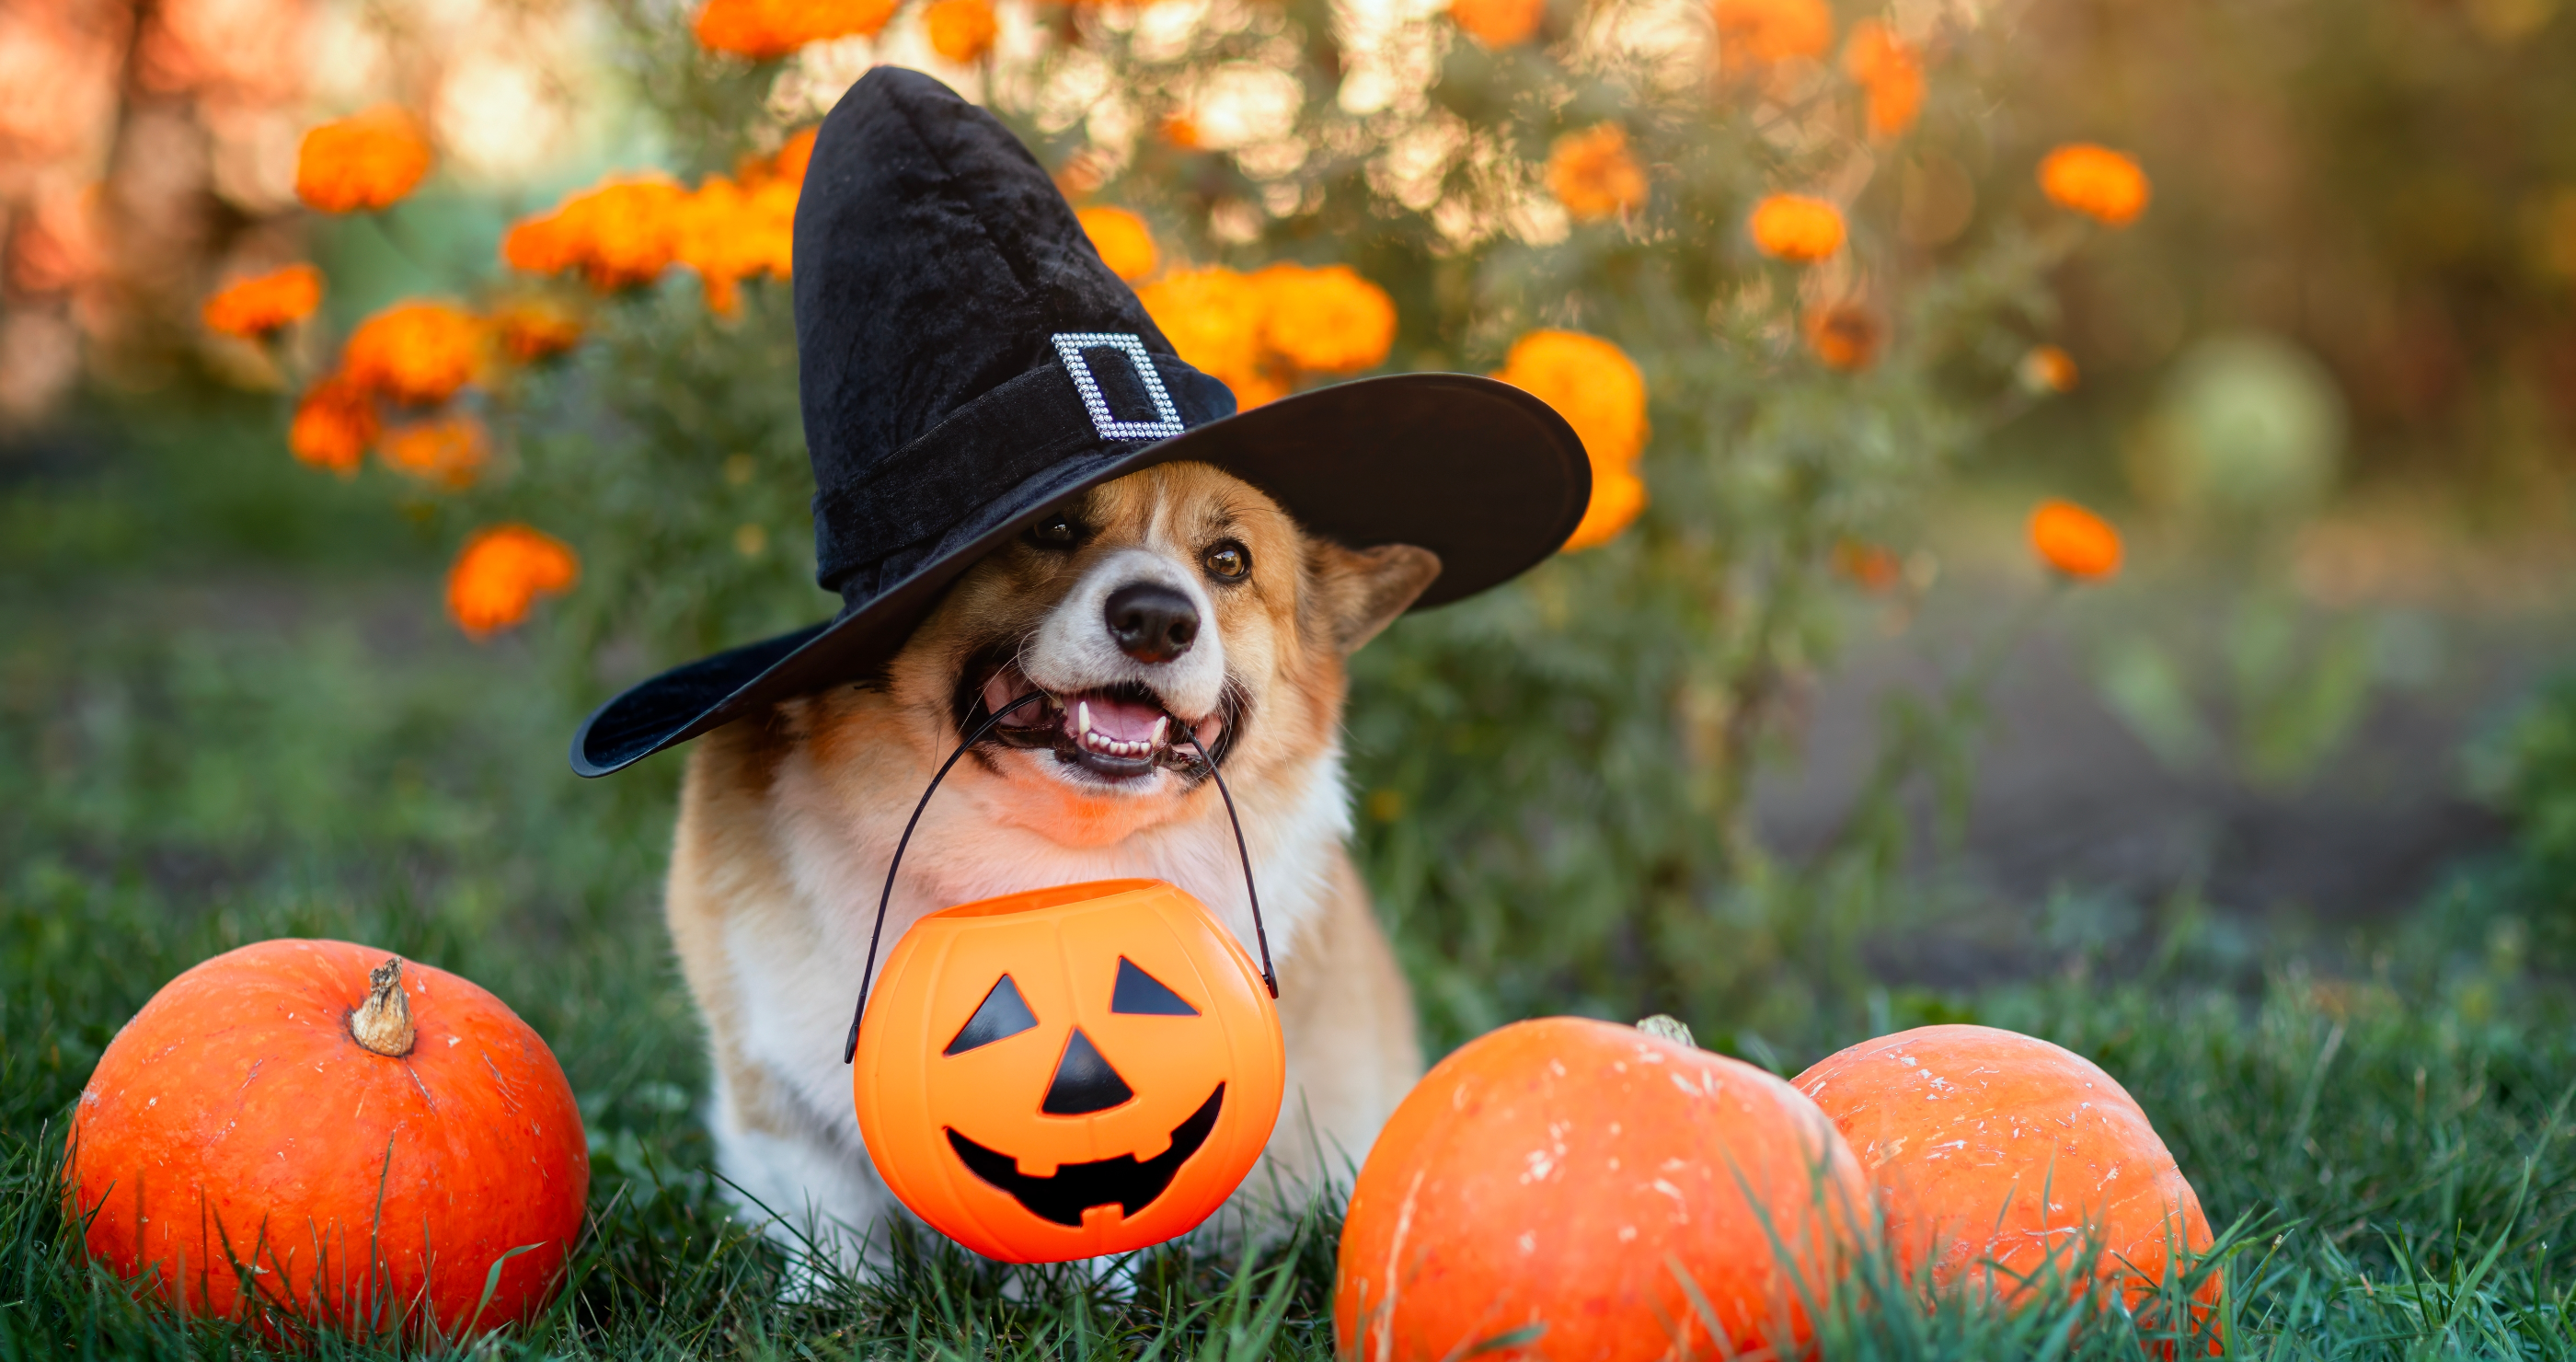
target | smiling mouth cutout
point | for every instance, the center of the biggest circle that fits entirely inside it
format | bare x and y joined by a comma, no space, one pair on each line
1127,1182
1118,732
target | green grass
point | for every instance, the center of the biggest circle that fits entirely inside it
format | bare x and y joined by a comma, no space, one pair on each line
302,752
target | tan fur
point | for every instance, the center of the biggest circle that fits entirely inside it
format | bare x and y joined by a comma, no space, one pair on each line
787,819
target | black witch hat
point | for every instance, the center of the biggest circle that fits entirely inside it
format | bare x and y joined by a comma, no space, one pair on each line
968,365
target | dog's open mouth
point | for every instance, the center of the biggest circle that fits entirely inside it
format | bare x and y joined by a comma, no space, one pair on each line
1120,732
1128,1182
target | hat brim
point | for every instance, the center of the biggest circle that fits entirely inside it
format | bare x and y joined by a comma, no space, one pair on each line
1479,472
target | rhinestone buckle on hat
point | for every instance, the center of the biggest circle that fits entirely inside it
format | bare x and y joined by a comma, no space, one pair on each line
1069,346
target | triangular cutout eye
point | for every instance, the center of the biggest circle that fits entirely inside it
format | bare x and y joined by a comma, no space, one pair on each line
1003,1014
1140,994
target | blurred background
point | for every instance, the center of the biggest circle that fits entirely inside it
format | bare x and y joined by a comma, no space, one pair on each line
1807,738
2080,539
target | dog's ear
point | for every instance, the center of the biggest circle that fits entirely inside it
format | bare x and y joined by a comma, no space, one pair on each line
1358,592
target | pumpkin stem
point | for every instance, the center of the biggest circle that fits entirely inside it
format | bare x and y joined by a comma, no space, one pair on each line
1668,1028
383,1022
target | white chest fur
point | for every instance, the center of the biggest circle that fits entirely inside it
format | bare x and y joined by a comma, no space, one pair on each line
796,965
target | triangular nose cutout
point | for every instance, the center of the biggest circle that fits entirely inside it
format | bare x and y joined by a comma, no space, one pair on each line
1084,1082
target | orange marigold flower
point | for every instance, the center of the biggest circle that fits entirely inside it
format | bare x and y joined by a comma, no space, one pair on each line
618,233
707,237
1591,383
1870,567
2096,181
1591,173
1125,244
1766,32
961,30
787,163
1498,23
1598,390
334,424
449,451
501,572
1618,496
792,156
1213,318
2046,368
727,234
1891,73
1845,336
1327,320
1797,228
254,307
533,329
766,29
2074,541
1258,387
368,160
415,352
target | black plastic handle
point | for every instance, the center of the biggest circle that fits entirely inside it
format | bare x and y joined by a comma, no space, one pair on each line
1260,933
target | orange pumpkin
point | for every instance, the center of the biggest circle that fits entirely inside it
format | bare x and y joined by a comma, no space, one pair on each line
1068,1072
1989,1149
1541,1191
363,1147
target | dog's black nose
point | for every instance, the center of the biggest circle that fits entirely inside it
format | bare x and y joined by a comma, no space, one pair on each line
1152,623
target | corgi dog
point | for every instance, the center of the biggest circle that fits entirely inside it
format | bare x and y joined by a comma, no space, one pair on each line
1177,595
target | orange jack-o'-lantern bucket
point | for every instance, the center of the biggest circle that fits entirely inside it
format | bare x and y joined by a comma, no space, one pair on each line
1068,1072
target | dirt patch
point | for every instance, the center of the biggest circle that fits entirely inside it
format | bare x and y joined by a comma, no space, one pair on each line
2069,798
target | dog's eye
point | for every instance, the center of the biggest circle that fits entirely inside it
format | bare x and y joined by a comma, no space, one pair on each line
1055,532
1228,561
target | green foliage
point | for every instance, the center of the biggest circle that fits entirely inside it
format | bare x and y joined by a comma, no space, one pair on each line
183,784
2260,690
1555,776
1573,754
2532,766
677,437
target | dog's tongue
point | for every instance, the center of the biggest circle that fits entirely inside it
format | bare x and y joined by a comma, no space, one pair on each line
1117,720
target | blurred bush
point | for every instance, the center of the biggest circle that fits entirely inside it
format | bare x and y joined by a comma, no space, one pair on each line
1689,226
2390,185
148,151
2530,769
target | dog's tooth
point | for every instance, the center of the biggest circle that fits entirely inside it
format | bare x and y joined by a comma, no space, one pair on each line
1161,721
1082,724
